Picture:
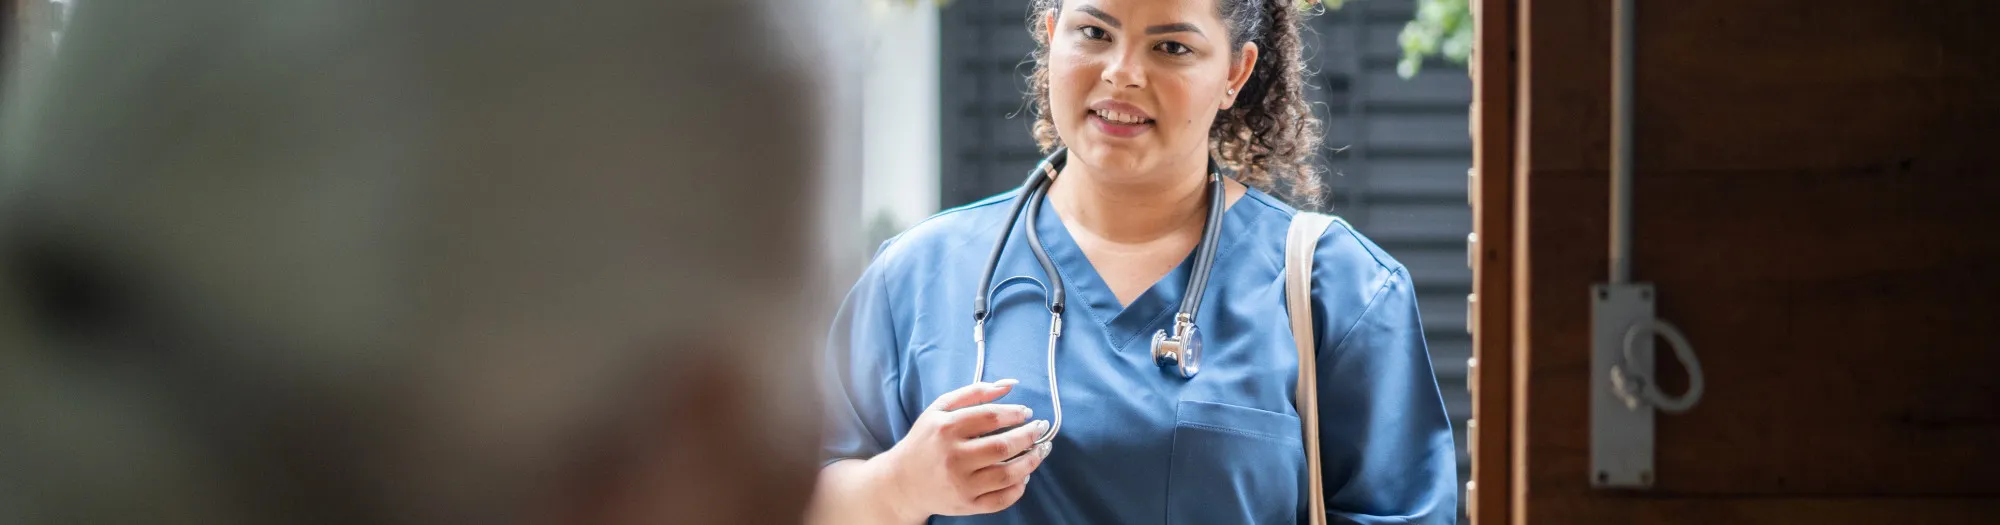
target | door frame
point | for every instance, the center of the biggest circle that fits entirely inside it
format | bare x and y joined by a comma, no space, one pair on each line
1493,432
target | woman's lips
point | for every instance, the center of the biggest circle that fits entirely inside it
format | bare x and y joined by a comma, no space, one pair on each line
1118,118
1122,127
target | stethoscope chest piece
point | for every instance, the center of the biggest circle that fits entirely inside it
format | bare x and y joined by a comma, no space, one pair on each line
1180,352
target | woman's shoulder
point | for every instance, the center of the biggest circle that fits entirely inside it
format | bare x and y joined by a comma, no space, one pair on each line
1343,250
951,231
1350,272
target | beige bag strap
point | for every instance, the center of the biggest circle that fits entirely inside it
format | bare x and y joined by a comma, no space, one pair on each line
1300,243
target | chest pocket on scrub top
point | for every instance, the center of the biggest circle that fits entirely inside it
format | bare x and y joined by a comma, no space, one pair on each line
1234,464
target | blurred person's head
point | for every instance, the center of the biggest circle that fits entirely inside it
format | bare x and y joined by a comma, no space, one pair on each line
491,261
1142,88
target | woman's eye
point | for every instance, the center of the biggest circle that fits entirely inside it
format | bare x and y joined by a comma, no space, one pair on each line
1094,33
1174,48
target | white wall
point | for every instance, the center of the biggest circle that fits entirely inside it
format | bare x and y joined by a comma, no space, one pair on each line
900,143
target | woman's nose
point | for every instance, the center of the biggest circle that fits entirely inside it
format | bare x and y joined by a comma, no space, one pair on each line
1126,70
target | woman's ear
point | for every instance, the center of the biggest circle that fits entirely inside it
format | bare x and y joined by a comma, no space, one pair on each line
1239,74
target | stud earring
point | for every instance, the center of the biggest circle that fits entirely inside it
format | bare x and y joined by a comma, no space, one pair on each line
1232,91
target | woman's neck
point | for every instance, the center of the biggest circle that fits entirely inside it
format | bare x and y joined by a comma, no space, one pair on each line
1134,210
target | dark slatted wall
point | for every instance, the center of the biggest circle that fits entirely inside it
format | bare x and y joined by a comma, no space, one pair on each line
1396,157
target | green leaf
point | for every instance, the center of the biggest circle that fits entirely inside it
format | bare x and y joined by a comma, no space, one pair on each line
1440,28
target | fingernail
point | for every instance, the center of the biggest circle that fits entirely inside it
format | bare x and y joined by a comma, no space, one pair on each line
1042,426
1027,412
1005,383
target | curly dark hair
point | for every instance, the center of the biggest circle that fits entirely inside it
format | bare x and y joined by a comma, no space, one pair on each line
1268,137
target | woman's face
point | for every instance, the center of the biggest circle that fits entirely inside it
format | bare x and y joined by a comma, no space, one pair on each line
1134,85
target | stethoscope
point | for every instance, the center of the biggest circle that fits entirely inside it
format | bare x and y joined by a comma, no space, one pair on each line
1179,351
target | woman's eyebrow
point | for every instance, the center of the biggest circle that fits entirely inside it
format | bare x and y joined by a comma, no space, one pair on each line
1179,27
1101,15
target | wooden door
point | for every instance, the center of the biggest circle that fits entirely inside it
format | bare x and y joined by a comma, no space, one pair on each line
1818,202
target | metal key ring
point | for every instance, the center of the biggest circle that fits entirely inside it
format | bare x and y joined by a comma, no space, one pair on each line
1647,388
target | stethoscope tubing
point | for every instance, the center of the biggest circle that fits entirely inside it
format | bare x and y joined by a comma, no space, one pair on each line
1033,190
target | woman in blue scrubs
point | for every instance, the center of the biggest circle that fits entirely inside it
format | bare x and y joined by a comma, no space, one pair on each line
1142,93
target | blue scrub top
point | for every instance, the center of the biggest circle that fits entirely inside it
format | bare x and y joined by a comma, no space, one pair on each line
1140,444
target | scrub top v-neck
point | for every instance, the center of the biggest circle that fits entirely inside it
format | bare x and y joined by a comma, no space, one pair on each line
1139,443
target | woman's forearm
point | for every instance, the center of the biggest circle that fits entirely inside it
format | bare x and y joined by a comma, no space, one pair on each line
856,491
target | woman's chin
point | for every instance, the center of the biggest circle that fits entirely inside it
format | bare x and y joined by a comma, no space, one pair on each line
1110,159
1124,159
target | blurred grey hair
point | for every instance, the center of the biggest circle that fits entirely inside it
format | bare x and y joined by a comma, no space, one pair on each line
396,256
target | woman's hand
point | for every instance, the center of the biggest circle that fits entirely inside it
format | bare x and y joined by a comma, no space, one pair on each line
945,466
